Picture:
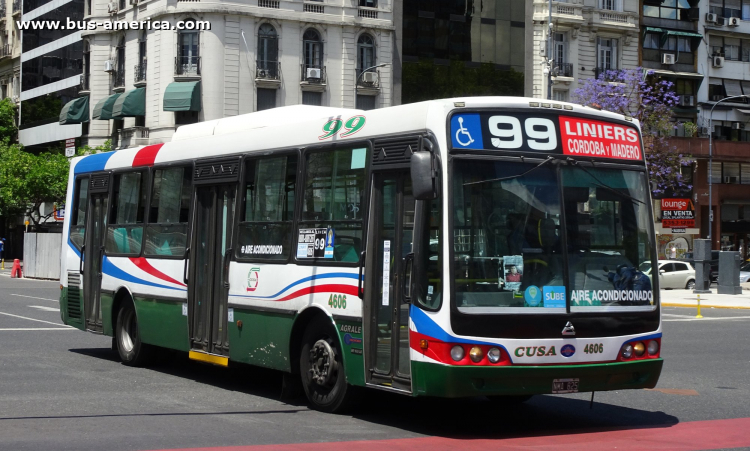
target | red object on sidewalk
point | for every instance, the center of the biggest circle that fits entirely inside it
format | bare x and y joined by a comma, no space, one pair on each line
16,269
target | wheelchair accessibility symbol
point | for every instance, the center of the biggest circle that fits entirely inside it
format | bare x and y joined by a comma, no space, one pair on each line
463,137
466,131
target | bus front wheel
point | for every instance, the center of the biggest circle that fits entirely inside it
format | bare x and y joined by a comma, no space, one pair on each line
322,369
132,351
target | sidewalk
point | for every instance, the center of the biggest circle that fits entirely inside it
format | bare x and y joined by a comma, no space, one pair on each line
686,298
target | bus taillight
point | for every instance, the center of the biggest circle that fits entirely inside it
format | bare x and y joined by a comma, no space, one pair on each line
639,350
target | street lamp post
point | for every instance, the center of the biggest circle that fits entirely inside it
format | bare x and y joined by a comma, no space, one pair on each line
710,165
356,81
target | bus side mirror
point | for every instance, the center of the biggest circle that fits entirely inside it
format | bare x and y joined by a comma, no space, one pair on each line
423,176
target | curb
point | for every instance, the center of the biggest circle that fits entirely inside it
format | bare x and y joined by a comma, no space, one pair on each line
669,304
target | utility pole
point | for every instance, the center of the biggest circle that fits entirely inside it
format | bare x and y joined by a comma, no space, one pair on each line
549,50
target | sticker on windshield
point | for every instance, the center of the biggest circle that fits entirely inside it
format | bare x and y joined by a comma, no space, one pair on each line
513,271
466,131
532,296
554,297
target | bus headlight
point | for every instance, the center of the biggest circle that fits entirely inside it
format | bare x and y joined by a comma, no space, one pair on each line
639,349
627,351
494,355
457,353
476,354
653,347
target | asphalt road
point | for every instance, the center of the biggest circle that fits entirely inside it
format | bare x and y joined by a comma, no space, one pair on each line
63,389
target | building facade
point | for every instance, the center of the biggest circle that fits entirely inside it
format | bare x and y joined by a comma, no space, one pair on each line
229,58
448,48
589,37
51,67
10,50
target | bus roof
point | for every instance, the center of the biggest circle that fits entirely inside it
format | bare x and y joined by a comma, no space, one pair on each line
302,125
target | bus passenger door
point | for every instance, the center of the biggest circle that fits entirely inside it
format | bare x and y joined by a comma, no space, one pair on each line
93,251
210,253
390,240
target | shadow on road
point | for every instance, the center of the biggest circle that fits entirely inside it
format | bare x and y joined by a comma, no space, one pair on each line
472,418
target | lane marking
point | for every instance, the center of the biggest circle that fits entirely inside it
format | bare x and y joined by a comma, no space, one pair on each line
46,309
34,297
707,318
33,319
703,305
35,328
677,316
675,391
688,436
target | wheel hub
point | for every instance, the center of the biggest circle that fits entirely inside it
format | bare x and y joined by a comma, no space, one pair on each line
322,362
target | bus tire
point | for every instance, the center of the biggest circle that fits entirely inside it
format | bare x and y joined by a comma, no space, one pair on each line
322,368
132,351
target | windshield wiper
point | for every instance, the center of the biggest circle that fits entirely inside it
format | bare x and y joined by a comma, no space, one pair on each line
601,184
513,176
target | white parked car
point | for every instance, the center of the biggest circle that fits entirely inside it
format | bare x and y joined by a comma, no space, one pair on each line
672,274
745,272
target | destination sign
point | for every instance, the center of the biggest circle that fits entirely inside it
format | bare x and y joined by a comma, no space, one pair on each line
545,133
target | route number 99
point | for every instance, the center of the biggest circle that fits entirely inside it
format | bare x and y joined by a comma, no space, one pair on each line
507,133
351,126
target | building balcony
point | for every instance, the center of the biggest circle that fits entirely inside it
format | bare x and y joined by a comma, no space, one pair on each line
133,136
140,75
563,13
268,74
614,20
6,51
562,70
3,11
17,7
608,73
187,67
368,82
313,78
118,80
84,88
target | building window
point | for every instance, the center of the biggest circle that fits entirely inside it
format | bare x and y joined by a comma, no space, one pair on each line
120,73
85,78
745,9
369,3
715,89
365,102
732,49
186,117
312,98
266,99
188,52
268,52
684,87
606,54
365,53
560,96
140,70
612,5
313,49
665,9
732,8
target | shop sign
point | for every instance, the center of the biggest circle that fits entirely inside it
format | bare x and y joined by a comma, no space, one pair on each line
677,213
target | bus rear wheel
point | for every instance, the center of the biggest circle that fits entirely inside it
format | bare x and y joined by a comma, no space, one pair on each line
322,369
132,351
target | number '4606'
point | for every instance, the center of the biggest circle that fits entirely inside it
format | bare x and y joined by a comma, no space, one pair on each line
337,301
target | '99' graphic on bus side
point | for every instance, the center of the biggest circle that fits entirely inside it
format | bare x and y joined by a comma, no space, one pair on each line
352,126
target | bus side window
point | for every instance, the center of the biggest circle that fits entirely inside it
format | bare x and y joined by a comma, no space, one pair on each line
166,233
126,216
333,198
431,294
268,211
78,221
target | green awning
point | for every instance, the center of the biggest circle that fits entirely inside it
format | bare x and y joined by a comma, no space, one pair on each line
130,104
103,108
183,96
689,34
653,30
75,112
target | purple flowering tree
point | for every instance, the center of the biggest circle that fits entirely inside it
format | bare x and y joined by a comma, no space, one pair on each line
650,100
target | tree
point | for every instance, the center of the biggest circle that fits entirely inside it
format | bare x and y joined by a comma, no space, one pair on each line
640,95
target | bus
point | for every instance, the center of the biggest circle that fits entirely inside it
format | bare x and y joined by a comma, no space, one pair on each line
481,246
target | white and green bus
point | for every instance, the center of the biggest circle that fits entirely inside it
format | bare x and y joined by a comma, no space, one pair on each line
456,248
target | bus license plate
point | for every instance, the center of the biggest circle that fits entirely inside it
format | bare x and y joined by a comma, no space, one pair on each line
565,385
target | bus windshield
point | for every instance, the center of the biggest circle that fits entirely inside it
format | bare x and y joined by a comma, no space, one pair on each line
512,253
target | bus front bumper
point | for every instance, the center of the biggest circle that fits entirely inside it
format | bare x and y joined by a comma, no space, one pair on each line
465,381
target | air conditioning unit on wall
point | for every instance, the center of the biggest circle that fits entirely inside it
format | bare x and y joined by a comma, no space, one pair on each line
718,61
687,101
313,72
711,18
109,66
734,21
370,77
668,58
